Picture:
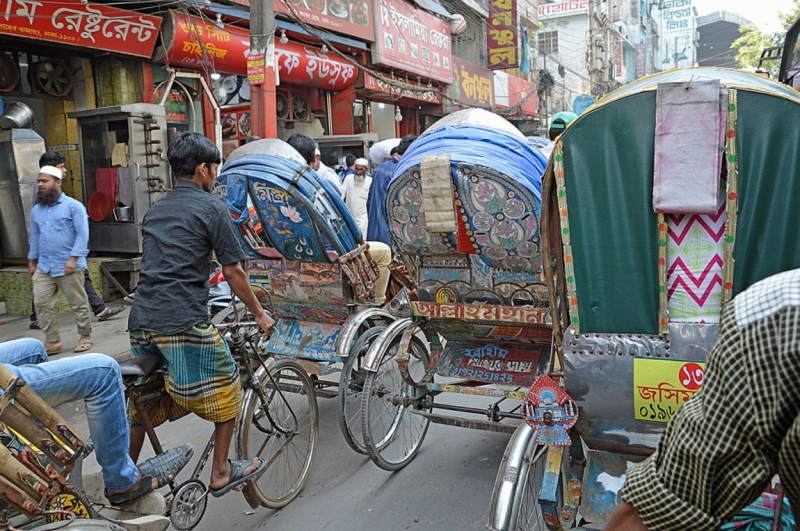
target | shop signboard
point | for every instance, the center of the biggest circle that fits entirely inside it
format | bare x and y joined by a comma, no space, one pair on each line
515,93
566,8
472,86
502,39
255,68
74,23
678,28
414,90
412,40
194,42
641,60
348,17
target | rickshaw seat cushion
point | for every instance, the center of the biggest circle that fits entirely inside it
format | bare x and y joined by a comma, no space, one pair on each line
140,365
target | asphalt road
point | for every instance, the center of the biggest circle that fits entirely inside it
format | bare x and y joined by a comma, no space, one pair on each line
447,486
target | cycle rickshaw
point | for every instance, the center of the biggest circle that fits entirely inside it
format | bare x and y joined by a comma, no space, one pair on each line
661,202
309,266
463,211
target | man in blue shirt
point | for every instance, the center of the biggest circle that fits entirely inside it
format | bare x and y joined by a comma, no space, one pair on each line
57,258
378,228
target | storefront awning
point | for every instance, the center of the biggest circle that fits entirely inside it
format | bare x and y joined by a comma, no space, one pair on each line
194,42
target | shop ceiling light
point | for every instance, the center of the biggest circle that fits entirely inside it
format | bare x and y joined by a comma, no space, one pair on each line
324,48
397,116
284,39
215,76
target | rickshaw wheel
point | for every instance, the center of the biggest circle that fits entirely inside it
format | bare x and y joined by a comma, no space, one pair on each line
392,430
351,386
285,433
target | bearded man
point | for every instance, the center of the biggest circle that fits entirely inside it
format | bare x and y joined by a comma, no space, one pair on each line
57,258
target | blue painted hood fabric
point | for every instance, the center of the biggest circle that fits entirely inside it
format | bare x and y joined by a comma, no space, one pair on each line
475,144
497,177
296,212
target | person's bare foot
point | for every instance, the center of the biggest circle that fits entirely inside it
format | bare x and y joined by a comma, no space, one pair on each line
220,478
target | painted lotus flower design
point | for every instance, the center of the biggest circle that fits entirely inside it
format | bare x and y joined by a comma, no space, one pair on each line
291,213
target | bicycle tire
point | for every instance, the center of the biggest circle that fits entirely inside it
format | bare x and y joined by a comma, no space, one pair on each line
292,405
351,385
392,432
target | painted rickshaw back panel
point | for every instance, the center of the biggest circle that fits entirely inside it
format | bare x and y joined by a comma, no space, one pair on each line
622,343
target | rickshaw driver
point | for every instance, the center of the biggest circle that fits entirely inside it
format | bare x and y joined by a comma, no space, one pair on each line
725,444
95,379
169,316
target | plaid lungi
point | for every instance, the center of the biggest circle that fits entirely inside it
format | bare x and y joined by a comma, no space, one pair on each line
202,377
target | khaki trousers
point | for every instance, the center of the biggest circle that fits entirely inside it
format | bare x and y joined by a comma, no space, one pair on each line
45,297
382,254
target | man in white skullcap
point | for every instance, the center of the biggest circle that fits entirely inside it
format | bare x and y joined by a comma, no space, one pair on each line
355,191
57,258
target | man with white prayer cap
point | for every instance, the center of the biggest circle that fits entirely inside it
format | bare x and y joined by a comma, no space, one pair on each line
355,191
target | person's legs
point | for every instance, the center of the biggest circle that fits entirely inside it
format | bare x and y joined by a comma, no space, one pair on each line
72,287
95,301
95,379
382,254
45,296
26,351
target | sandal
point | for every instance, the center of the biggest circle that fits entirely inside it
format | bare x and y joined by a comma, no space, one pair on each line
84,344
163,468
169,463
237,476
52,348
145,486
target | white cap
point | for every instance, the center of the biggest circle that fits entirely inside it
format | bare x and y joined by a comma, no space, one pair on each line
53,171
317,153
361,162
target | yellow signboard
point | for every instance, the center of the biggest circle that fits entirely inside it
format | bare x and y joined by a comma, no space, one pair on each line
660,387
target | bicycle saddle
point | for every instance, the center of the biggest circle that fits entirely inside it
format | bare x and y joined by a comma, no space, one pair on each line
140,365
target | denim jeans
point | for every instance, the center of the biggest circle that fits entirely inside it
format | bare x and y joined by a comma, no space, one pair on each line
93,378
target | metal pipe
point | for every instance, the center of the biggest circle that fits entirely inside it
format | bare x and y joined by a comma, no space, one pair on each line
329,111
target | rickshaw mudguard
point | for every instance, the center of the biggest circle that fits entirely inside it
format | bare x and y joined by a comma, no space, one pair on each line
372,359
519,450
353,324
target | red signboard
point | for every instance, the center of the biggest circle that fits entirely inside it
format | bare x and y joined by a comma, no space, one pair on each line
95,26
412,40
348,17
195,42
415,90
501,34
472,85
515,93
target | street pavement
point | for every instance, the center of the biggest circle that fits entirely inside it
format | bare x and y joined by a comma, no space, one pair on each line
447,486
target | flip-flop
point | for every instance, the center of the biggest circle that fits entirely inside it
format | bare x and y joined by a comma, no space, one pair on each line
83,345
237,478
170,462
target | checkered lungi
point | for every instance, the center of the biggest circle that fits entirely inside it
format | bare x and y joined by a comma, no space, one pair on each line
202,377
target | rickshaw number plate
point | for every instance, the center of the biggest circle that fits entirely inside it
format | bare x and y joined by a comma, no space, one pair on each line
549,410
304,339
662,386
491,363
